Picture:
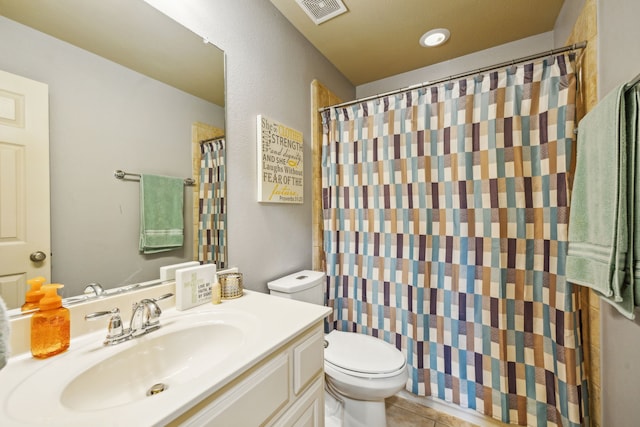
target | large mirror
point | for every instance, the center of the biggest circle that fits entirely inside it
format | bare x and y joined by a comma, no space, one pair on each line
126,85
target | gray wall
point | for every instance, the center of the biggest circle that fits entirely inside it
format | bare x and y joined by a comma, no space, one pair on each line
270,67
619,62
566,21
104,117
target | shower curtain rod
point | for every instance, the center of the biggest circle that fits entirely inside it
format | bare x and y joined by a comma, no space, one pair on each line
204,141
575,46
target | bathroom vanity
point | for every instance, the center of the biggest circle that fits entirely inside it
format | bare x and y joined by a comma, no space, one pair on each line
285,389
255,360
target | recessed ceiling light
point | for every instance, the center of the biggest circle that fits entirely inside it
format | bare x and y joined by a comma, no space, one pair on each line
435,37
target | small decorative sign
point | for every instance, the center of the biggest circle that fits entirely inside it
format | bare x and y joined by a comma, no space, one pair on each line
193,285
280,165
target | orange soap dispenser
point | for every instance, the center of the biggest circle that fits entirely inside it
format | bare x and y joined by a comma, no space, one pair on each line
51,325
34,294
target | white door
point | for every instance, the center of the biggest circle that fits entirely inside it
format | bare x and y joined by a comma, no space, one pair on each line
25,235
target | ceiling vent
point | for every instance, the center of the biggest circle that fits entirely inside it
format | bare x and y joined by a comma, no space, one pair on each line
322,10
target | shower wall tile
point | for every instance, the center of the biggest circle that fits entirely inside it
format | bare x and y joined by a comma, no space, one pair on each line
594,347
586,29
321,97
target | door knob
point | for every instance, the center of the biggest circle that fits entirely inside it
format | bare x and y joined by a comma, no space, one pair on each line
38,256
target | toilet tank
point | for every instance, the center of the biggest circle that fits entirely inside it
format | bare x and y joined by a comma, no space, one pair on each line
306,285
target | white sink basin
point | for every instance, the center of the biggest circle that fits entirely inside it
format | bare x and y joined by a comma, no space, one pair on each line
195,354
164,360
93,380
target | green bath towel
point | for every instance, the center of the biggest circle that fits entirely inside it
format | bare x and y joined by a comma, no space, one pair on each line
631,287
161,216
633,131
601,224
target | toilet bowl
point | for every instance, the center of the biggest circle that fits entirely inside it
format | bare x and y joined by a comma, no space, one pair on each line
361,371
364,371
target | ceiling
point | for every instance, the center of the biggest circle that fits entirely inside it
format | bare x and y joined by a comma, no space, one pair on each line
380,38
161,49
374,39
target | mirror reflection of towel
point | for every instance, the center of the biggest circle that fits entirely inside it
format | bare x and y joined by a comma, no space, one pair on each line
161,213
5,334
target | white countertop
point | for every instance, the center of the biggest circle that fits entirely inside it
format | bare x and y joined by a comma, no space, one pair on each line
277,321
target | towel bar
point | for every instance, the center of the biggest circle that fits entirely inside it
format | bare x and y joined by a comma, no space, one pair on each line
119,174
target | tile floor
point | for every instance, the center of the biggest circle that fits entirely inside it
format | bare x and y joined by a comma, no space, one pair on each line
403,413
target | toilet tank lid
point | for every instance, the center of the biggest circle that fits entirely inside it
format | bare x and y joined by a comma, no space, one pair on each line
296,282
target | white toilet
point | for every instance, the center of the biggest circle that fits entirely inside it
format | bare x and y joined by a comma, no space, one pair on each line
361,371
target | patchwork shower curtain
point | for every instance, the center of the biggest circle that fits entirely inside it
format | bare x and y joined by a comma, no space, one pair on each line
212,216
445,227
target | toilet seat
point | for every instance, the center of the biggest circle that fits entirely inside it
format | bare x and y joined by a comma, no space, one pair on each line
362,355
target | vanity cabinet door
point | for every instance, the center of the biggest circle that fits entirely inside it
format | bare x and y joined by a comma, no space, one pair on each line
308,360
286,390
307,388
308,410
250,403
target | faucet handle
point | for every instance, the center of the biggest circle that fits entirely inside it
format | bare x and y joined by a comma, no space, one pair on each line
161,297
99,314
115,331
134,305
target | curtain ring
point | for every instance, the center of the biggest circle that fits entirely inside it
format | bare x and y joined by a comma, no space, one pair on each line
449,84
551,59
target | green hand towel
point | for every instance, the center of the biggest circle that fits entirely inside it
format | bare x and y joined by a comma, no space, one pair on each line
161,216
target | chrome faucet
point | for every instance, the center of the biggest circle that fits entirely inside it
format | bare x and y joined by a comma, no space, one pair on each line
144,319
94,289
145,315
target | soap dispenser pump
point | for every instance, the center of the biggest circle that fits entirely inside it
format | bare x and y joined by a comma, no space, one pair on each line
51,325
34,294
